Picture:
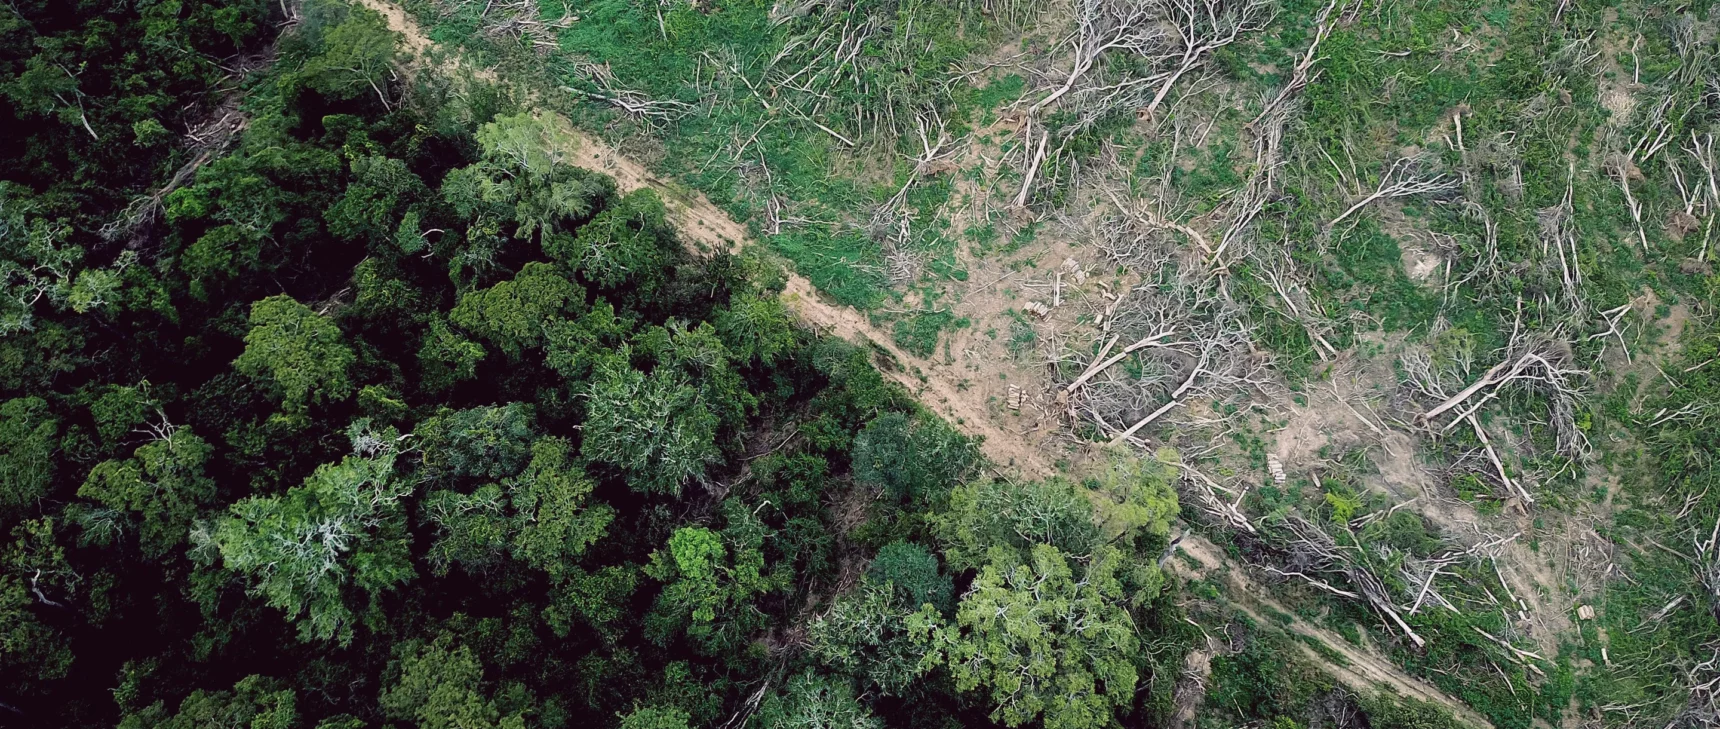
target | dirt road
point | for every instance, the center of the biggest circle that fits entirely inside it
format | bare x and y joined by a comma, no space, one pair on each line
1361,670
707,227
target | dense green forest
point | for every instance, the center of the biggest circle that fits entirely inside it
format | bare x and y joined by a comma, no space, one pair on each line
331,396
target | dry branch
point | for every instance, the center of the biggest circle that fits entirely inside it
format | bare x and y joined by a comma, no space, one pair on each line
1401,179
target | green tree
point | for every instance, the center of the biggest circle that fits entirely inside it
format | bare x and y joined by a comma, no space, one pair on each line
342,525
912,570
29,438
551,502
656,427
34,264
811,701
865,634
445,358
757,329
381,189
1040,642
513,314
472,529
574,347
487,442
1017,515
38,265
912,458
541,517
655,717
29,649
526,176
162,484
255,703
1140,500
696,563
711,582
297,351
357,58
440,686
118,410
599,599
630,244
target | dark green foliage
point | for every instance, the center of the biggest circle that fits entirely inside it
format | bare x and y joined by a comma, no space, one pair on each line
1262,682
254,702
1015,515
343,524
28,439
513,314
1014,639
757,329
549,498
811,700
628,245
157,493
382,403
711,582
446,358
656,426
485,442
866,634
87,88
27,646
911,457
441,687
300,353
1406,713
653,717
913,572
118,410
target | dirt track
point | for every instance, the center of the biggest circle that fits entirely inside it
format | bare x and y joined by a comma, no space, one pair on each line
1362,670
707,227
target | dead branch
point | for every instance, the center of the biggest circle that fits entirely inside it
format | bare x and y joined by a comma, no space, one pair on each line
1303,73
1204,26
1493,457
1401,179
1206,492
606,88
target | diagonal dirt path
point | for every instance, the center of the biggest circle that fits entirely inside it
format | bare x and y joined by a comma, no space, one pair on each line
707,227
1361,670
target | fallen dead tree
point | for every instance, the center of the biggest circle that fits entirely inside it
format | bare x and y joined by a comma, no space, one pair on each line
1405,177
1184,338
1311,546
1167,39
891,224
601,85
1534,363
